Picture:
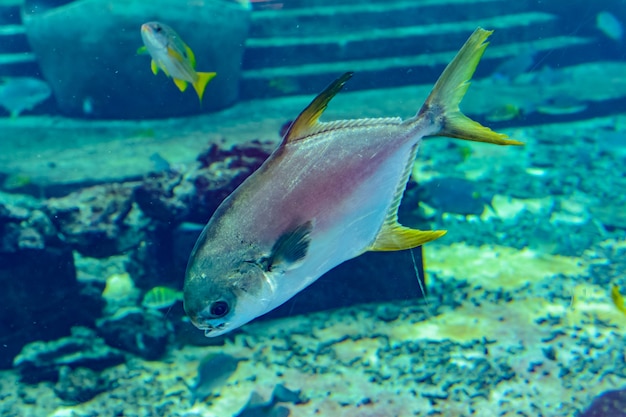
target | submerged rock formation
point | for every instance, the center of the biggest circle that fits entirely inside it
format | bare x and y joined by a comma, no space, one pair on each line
93,68
40,298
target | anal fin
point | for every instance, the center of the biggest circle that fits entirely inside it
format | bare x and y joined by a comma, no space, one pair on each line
393,237
181,84
154,67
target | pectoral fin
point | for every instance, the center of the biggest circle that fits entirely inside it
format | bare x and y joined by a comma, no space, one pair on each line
142,50
290,247
394,237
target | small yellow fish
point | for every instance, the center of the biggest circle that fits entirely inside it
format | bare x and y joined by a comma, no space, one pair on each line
171,55
16,181
328,193
618,299
504,113
161,297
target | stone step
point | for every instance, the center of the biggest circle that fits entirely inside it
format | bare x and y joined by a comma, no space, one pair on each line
20,64
16,58
76,146
397,71
13,39
329,18
397,41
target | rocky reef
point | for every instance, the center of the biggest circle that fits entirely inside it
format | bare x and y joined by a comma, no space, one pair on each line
38,278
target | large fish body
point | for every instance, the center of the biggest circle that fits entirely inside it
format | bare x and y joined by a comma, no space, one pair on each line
328,193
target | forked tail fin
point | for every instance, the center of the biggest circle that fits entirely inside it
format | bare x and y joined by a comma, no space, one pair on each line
443,101
203,80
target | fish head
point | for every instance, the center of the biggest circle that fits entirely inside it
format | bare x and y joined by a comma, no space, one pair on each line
156,36
224,291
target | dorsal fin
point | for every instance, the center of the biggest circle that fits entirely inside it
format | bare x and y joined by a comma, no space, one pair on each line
306,121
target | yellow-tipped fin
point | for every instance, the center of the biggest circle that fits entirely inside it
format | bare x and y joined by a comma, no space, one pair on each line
306,121
203,80
618,299
443,101
154,67
394,237
181,84
142,50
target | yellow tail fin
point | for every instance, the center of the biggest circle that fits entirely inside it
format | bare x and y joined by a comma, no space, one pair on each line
203,80
443,101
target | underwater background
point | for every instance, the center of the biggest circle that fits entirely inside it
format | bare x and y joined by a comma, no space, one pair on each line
108,173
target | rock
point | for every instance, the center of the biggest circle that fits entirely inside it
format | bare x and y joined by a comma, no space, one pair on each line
42,361
40,298
192,196
610,403
79,385
387,312
99,221
143,332
93,68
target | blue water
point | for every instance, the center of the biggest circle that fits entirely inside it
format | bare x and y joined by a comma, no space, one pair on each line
108,173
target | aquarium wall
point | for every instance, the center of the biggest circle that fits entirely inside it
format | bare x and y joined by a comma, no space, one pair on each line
367,250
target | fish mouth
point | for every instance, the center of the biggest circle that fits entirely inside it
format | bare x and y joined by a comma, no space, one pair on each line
211,330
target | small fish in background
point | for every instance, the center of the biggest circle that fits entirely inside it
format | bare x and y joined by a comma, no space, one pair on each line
15,182
22,93
561,105
513,67
87,106
284,85
618,299
161,297
172,56
214,370
504,113
257,407
610,25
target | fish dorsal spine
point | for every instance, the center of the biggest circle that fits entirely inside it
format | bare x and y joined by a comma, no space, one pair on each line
308,124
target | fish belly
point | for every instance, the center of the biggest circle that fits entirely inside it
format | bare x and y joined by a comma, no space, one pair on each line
347,228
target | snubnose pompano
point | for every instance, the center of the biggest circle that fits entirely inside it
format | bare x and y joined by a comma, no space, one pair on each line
328,193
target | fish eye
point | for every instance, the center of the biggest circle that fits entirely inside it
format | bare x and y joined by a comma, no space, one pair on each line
158,28
219,308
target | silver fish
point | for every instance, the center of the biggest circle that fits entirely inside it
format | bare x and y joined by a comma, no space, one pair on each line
22,93
328,193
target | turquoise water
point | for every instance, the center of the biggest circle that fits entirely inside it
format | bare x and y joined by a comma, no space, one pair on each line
108,173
